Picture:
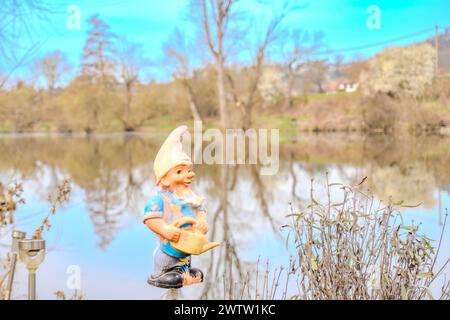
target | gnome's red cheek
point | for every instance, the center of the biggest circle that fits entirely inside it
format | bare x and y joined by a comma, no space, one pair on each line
179,180
175,178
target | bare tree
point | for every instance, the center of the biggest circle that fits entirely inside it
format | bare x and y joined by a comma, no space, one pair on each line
216,16
131,64
98,67
337,64
19,21
177,55
354,69
52,66
270,34
315,74
295,53
98,53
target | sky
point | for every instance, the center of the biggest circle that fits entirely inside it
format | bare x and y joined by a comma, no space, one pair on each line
344,23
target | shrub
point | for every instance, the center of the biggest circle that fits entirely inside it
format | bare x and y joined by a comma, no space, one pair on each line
361,249
400,71
379,113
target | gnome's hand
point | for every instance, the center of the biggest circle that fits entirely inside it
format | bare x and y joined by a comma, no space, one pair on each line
202,225
171,233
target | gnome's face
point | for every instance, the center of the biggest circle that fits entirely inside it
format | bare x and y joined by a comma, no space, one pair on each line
178,178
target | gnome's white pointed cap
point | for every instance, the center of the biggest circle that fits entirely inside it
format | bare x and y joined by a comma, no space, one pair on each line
171,154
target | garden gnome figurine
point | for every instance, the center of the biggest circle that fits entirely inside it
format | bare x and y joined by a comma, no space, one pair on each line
177,216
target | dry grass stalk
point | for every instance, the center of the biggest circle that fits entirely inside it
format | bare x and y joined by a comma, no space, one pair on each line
357,248
62,196
262,286
361,249
9,198
76,295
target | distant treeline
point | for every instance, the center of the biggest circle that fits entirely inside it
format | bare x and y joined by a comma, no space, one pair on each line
399,89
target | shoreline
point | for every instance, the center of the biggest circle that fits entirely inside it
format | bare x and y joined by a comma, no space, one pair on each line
46,134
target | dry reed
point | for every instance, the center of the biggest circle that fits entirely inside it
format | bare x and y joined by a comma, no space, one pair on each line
360,248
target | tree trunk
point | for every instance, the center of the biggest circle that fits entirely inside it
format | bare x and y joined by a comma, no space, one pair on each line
290,87
220,16
127,107
192,103
253,88
222,94
247,119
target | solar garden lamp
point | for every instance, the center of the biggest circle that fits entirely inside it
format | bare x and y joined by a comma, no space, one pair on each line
32,253
16,237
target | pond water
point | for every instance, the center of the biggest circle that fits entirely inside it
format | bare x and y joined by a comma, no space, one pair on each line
100,230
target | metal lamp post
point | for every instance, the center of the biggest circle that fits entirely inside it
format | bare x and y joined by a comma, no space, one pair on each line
16,237
32,253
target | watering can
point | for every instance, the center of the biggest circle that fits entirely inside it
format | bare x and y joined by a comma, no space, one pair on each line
192,241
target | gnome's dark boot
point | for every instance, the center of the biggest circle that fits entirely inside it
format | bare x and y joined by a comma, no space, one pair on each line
171,279
195,272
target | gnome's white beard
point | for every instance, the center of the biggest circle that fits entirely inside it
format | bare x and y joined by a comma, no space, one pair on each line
188,196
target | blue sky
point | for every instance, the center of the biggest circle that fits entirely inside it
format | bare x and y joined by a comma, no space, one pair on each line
343,21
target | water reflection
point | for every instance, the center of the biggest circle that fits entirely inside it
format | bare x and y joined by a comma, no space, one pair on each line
101,229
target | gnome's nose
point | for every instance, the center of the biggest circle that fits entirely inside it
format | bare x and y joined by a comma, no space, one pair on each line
190,175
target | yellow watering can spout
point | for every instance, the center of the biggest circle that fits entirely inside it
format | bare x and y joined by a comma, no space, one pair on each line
192,241
210,245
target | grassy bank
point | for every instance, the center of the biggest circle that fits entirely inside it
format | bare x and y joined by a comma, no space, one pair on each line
323,113
155,109
352,112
